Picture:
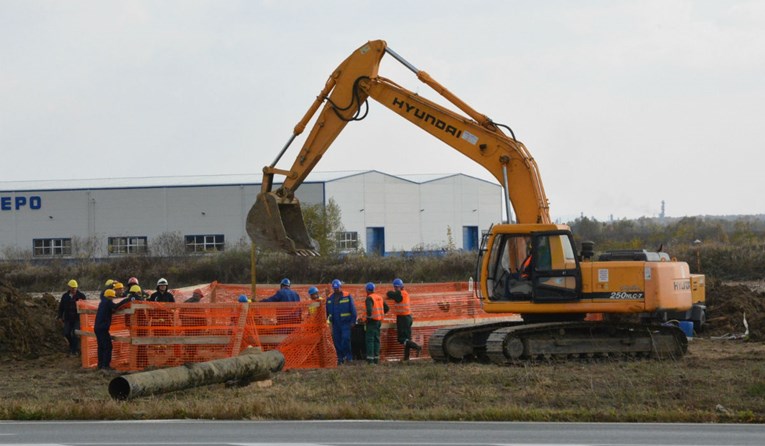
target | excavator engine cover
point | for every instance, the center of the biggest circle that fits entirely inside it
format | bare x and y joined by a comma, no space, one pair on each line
277,223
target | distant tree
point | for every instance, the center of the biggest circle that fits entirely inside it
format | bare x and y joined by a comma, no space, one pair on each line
168,244
322,223
743,234
16,253
686,230
450,246
585,228
85,247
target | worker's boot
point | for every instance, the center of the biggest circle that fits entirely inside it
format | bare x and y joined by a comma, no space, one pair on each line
417,348
406,351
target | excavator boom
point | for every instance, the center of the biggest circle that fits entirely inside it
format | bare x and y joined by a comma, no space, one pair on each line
275,221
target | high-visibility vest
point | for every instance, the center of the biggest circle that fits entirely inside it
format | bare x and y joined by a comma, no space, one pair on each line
314,306
525,268
378,312
402,308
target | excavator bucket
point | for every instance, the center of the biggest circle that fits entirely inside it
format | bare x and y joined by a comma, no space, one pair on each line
277,223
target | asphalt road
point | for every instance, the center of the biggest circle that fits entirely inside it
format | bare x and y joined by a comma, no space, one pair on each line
189,432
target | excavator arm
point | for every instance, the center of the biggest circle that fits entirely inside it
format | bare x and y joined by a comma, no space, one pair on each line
275,221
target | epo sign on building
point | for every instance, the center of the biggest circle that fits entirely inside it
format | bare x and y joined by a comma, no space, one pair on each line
20,202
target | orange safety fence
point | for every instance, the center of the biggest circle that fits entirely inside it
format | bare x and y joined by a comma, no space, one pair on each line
155,334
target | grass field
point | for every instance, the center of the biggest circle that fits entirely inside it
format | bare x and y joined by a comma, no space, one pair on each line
717,381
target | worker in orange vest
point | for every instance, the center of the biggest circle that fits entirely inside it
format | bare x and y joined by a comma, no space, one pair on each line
375,311
403,312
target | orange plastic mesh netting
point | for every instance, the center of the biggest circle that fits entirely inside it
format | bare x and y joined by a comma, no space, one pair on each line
152,334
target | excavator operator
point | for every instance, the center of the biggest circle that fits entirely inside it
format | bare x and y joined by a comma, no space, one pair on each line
518,285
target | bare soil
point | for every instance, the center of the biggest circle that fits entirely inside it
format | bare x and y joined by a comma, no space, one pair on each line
717,381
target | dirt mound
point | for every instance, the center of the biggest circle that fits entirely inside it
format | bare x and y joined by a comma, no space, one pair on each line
28,326
726,306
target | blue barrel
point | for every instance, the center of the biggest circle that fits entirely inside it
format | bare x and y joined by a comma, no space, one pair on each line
687,327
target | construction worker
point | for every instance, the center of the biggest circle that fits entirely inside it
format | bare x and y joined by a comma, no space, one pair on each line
341,314
162,295
375,311
403,312
119,289
135,293
518,286
67,314
284,316
108,285
243,299
285,294
101,328
316,300
196,296
134,281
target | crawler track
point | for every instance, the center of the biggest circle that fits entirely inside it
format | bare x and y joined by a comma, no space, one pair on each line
464,343
516,342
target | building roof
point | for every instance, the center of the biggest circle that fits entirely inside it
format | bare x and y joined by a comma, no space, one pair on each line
127,183
194,181
430,177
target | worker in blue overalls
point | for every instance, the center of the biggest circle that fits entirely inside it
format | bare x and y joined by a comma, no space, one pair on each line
341,314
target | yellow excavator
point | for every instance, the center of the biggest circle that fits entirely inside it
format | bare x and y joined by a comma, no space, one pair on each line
526,265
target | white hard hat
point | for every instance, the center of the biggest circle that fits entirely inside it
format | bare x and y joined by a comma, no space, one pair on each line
162,281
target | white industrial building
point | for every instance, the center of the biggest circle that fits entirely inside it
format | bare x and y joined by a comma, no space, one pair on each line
98,218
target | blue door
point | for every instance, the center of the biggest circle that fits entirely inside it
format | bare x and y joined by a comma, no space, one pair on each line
376,241
470,238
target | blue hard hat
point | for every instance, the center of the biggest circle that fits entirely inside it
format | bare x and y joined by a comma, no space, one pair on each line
398,282
285,282
242,298
336,284
370,286
313,290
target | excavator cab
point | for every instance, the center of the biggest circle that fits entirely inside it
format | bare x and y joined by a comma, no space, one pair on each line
276,222
528,263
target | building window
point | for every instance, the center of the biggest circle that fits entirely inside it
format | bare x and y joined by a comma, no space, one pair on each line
204,243
128,245
347,241
46,247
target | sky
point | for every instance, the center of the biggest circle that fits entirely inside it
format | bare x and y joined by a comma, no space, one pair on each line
623,104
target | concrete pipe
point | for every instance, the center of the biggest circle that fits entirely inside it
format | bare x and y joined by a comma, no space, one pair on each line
244,368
